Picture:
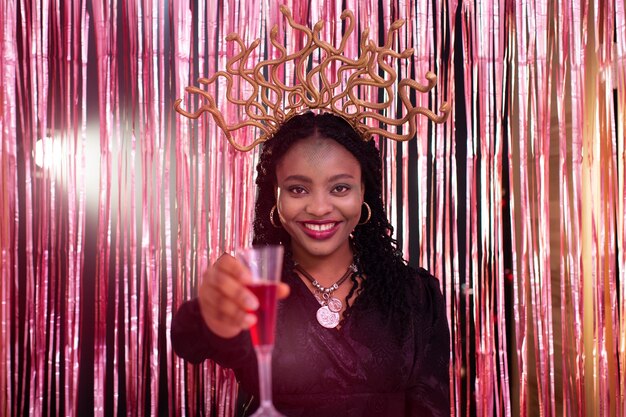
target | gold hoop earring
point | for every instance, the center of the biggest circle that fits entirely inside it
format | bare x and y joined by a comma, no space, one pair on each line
369,213
272,217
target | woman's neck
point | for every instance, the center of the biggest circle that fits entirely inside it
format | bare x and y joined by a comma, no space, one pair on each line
326,269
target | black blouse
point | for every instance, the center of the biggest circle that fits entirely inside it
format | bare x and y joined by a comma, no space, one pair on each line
359,369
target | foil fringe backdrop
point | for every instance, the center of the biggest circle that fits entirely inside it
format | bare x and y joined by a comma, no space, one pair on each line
518,205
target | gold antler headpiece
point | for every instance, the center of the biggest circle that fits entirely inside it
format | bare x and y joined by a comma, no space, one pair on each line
271,102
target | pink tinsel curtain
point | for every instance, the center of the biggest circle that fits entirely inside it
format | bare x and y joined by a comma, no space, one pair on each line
111,205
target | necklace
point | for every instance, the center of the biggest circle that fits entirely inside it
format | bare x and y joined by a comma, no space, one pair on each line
328,313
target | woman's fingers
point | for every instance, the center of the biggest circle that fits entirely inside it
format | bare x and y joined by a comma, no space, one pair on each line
226,304
230,279
282,290
224,300
231,266
227,312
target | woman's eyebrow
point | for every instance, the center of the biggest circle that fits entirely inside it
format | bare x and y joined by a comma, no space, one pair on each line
341,177
298,178
305,179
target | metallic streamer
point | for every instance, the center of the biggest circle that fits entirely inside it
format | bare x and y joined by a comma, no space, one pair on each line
619,83
9,221
577,41
530,281
541,273
572,397
607,159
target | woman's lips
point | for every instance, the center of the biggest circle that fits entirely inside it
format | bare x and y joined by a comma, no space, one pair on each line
320,230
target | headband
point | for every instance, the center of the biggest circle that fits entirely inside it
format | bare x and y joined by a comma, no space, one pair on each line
333,83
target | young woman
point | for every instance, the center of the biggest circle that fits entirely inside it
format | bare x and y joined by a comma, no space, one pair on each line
320,195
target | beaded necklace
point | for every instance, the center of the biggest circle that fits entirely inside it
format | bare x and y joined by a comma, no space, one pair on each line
328,313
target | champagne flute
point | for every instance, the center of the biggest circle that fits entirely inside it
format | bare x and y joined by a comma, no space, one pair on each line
265,264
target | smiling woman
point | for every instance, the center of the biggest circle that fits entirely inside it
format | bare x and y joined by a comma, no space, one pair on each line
359,332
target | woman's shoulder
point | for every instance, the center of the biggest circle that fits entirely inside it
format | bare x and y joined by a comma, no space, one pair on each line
424,290
422,276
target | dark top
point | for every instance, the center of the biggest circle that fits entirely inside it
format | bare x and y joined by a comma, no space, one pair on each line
360,369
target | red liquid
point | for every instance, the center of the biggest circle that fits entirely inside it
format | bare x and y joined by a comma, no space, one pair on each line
262,332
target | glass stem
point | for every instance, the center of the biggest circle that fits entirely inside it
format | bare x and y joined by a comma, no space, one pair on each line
264,358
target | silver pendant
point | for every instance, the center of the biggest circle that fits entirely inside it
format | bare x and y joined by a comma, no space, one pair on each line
334,304
327,318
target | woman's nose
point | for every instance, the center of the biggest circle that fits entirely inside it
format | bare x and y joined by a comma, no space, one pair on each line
319,205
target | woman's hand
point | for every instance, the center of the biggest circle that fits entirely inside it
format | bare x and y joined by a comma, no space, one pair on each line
226,304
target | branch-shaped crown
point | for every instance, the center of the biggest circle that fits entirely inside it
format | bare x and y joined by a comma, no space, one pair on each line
271,102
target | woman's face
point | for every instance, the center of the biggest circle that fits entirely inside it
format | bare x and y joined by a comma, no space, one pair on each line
319,195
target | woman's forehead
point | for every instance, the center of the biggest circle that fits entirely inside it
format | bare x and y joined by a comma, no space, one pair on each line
315,148
317,153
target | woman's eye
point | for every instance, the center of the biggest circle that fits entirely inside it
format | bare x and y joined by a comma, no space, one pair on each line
341,188
297,190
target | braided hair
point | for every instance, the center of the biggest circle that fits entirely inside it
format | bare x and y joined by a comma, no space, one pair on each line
383,270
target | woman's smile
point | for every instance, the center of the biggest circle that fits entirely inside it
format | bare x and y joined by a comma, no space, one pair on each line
320,230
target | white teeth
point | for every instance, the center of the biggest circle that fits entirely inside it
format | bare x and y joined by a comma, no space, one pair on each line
319,227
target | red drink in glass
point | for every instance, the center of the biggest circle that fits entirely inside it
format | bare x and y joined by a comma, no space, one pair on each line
265,264
262,332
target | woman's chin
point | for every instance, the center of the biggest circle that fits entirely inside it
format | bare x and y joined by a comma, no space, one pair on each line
319,248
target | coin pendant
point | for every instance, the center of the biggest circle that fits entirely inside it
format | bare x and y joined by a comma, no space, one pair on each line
334,304
327,318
